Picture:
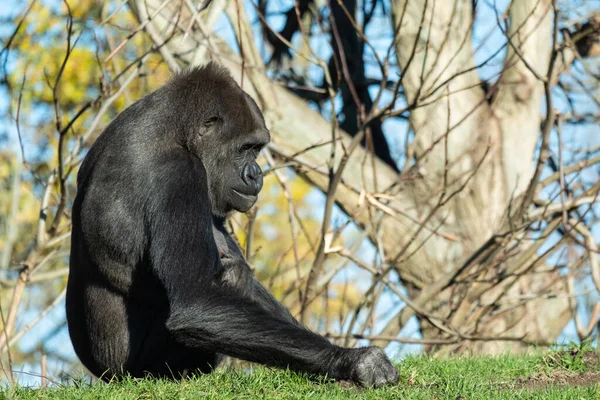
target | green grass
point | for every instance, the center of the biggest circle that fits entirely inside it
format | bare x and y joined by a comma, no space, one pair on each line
420,378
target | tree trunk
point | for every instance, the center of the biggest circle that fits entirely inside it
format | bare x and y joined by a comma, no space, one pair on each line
457,127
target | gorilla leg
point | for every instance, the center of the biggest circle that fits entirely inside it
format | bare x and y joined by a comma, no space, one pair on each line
130,339
162,357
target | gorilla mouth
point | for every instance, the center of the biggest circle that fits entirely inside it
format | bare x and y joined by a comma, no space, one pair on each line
249,197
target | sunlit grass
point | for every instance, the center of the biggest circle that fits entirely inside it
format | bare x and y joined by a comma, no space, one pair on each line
421,377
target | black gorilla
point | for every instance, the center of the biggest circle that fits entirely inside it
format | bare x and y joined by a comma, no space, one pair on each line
156,285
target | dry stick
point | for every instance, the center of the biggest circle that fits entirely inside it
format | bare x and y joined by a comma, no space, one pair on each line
256,75
446,156
502,306
326,278
317,266
485,252
194,17
291,213
577,167
299,52
9,40
372,288
298,219
345,71
216,9
378,292
582,332
435,321
561,171
459,47
393,212
388,269
334,180
374,292
11,220
426,49
250,234
453,340
14,305
370,317
62,132
44,372
138,29
511,276
405,313
112,14
149,28
241,43
585,332
549,210
360,33
411,57
592,249
548,124
48,257
37,376
385,113
58,122
18,116
37,319
389,338
7,371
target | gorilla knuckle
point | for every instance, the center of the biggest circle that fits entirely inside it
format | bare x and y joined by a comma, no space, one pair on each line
374,369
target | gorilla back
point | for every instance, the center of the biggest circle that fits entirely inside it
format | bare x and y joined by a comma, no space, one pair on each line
156,284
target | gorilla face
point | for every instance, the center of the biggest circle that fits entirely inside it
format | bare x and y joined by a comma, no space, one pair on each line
230,139
245,181
244,196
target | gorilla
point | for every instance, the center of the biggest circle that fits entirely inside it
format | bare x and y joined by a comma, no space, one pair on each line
157,286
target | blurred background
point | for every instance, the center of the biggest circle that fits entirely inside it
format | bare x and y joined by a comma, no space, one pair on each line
431,185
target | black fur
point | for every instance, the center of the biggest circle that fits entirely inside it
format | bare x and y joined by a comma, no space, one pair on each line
156,284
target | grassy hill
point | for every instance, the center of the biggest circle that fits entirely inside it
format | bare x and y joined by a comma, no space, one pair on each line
571,374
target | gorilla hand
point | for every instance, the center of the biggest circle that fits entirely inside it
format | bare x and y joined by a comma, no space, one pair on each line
370,367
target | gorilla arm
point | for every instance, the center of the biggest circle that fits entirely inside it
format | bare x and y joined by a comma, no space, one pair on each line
217,319
210,317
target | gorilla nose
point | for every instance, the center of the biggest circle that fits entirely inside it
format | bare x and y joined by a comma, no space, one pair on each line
251,173
252,176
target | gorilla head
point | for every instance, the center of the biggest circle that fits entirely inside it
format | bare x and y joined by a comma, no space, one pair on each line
227,134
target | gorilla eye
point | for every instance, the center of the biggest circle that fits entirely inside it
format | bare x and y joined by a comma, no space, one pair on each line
211,121
251,148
